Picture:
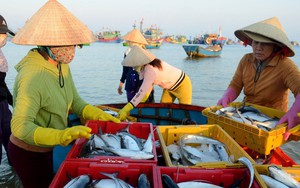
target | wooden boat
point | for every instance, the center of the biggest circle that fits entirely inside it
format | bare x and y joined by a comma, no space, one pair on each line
178,39
154,44
153,35
163,113
196,50
109,36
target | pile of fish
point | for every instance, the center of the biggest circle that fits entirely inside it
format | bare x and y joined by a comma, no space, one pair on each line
279,178
168,182
122,144
85,181
192,149
250,116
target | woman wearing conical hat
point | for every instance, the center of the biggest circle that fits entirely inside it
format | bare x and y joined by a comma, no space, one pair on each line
267,74
175,83
44,93
130,76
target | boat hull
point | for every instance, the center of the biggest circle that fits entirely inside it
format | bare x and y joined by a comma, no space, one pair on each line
110,40
165,113
195,50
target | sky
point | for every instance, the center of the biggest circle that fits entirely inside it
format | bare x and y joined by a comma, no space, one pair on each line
173,17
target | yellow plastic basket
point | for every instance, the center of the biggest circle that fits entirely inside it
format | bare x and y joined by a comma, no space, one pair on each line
263,169
171,134
254,138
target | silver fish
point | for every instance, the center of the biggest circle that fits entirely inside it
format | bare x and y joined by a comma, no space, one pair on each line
225,110
112,140
197,139
99,143
107,183
130,141
271,182
119,182
282,176
174,151
196,154
148,145
195,184
249,165
220,149
80,181
134,154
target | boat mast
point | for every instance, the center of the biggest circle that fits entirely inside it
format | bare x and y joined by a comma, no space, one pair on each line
141,25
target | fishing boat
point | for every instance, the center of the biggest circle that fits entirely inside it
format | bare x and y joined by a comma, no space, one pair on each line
196,50
178,39
163,113
109,36
153,35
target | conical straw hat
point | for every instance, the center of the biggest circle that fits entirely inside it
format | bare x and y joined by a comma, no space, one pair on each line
269,30
135,36
138,57
54,25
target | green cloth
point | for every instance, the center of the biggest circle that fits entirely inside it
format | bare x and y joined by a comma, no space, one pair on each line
38,98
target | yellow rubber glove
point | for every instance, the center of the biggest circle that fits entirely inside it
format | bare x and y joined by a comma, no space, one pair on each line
124,112
51,137
93,113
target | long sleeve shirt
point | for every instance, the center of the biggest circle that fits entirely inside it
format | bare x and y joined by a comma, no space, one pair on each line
272,87
165,78
38,98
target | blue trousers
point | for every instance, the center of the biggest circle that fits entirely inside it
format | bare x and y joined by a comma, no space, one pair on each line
5,131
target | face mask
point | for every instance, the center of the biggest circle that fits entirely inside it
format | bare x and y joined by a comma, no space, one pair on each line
2,40
63,54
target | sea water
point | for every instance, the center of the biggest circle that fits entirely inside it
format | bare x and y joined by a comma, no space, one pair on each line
97,70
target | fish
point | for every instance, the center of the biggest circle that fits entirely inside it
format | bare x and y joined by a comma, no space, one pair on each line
148,145
196,184
246,121
130,141
111,112
197,139
196,154
225,110
134,154
249,165
87,148
271,182
99,142
245,109
119,182
79,181
112,140
143,181
282,176
168,182
174,151
107,183
220,149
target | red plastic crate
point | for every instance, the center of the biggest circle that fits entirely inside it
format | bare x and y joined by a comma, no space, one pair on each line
129,172
223,177
277,157
140,130
281,158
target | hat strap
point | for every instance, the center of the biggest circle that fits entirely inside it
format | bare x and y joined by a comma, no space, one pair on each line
246,42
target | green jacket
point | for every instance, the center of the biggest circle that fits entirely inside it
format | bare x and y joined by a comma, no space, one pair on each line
38,98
